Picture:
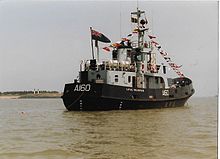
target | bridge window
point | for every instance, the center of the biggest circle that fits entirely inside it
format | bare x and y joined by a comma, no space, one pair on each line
98,76
116,78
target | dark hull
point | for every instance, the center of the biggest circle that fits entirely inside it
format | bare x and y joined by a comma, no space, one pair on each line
107,97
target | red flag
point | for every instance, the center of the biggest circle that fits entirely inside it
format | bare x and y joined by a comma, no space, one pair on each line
180,73
106,49
163,53
115,45
175,65
154,42
178,66
151,37
145,44
172,64
125,39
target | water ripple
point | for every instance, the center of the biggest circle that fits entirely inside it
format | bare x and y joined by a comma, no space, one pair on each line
47,130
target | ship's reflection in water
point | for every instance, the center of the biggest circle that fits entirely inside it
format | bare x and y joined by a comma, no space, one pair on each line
46,130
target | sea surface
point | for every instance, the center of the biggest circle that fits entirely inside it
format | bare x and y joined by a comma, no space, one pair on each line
42,128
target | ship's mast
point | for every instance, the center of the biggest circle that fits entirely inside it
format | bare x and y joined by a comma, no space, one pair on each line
139,49
92,44
138,14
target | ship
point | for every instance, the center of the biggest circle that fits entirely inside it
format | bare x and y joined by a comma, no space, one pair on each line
132,79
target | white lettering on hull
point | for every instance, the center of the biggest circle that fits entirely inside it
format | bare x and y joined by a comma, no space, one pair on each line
82,87
134,90
165,92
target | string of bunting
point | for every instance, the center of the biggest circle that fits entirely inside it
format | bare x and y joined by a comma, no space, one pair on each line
174,66
119,43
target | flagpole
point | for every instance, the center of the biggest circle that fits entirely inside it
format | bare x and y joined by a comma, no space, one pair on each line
92,44
97,47
98,53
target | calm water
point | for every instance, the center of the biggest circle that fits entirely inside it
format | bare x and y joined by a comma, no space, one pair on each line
46,130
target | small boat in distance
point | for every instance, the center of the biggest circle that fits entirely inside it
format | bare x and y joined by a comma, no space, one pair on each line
132,79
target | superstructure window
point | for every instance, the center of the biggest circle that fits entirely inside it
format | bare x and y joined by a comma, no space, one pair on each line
161,80
129,79
98,76
116,78
156,79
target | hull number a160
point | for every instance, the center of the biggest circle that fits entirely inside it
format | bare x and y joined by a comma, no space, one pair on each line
82,87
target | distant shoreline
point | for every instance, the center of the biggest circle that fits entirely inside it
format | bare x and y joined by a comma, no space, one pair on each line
26,96
9,97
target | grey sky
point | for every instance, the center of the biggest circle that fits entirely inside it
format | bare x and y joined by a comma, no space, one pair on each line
42,42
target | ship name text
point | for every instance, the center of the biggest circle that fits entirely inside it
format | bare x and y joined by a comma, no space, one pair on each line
134,90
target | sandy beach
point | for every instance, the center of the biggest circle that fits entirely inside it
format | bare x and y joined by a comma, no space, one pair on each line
9,97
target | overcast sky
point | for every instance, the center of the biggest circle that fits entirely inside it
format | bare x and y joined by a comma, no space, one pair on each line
42,42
